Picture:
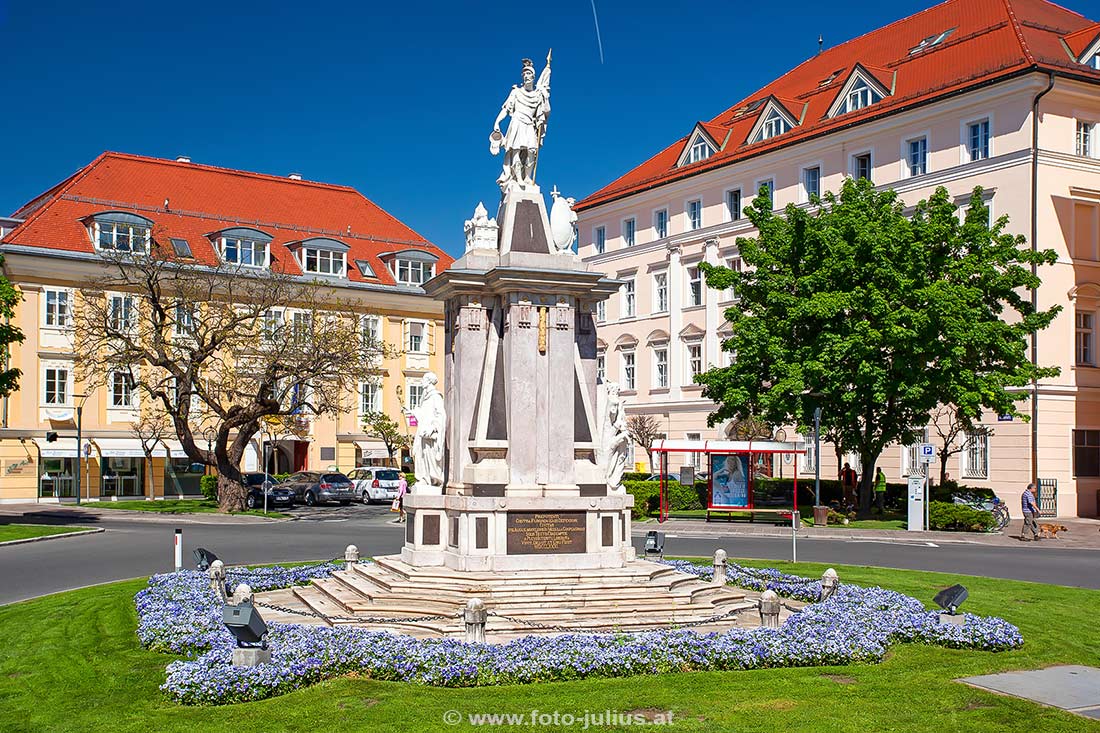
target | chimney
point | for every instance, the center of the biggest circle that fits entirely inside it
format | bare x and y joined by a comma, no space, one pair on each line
183,158
295,176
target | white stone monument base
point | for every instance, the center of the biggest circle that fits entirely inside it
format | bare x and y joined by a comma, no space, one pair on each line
505,533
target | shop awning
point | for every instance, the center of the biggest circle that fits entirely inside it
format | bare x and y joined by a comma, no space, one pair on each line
60,448
373,448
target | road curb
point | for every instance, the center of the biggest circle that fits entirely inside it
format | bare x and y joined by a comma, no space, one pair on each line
63,535
140,516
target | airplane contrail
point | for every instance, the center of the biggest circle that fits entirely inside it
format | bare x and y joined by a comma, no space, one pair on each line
596,20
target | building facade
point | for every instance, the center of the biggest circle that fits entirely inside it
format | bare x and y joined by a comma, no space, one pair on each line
1002,95
52,247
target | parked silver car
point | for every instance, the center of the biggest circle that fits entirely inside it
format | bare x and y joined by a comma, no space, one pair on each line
375,483
314,487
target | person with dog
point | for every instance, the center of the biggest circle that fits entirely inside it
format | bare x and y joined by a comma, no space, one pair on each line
1031,514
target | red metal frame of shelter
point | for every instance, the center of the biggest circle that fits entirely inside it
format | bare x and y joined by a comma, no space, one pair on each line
720,447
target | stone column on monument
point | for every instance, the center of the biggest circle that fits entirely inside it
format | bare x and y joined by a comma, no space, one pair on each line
675,321
561,362
521,342
713,315
468,327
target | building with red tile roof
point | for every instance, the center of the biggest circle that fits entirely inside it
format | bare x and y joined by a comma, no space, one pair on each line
373,263
1002,94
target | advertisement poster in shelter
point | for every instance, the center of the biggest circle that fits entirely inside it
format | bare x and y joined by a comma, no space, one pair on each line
729,481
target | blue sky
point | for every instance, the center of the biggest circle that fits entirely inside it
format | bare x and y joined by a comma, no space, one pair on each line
395,99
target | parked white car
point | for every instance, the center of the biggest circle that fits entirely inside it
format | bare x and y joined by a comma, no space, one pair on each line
375,483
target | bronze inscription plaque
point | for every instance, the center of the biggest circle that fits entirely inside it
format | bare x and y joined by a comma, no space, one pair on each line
534,533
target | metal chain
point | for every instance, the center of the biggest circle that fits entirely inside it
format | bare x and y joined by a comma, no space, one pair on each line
688,624
358,619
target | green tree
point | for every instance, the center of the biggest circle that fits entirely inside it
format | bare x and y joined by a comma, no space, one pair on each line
382,426
877,317
9,334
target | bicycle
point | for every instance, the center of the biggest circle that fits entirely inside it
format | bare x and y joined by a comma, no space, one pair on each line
994,506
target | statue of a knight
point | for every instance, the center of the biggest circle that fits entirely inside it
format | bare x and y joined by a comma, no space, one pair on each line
529,107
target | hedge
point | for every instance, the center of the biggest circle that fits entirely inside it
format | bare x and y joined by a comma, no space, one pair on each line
944,515
208,485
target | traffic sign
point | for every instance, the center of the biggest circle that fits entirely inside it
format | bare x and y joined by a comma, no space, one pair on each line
927,453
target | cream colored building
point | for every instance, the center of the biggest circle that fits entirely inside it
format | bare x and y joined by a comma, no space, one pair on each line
310,230
969,93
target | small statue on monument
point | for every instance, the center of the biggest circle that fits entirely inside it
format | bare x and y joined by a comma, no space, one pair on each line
529,106
481,231
431,424
563,222
614,438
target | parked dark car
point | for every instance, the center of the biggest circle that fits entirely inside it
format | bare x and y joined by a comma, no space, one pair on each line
257,484
316,487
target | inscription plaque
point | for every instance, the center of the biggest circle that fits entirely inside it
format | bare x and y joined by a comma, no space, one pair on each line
534,533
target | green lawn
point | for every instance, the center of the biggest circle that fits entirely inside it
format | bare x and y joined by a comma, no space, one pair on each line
175,506
72,662
26,531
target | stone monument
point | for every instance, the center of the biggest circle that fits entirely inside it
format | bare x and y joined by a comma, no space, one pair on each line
535,448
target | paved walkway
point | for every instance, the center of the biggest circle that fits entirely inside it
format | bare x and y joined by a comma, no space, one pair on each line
1083,534
1073,688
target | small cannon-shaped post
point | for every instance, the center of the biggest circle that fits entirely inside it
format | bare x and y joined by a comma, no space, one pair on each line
351,554
719,568
216,573
829,584
769,609
475,615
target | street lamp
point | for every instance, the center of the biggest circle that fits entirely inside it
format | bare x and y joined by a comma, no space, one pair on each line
210,434
82,398
817,456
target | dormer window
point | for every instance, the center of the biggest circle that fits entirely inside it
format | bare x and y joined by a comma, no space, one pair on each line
704,141
412,272
774,125
773,121
861,96
119,231
862,90
245,247
700,150
322,256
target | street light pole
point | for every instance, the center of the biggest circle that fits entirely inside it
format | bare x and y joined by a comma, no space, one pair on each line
79,448
817,456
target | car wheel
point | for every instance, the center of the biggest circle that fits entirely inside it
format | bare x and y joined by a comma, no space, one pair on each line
251,501
366,498
311,499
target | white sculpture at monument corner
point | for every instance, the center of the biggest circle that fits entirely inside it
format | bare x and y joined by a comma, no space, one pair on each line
614,438
431,429
563,222
529,107
481,231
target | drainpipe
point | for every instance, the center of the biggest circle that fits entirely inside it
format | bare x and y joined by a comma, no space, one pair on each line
1035,272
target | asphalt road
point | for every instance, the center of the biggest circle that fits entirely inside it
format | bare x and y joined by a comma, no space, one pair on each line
133,547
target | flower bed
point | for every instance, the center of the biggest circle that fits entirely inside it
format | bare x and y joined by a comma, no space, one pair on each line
179,613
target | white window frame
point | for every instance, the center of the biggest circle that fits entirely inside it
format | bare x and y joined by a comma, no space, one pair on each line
183,319
414,388
773,125
116,228
695,460
122,298
770,180
1085,139
370,329
910,457
629,298
853,164
629,369
630,231
601,366
693,222
735,263
964,137
315,261
61,312
66,385
727,201
699,150
660,366
243,244
975,456
693,352
660,291
129,391
1084,338
425,336
689,291
803,188
374,389
657,233
906,154
601,311
403,271
599,239
271,324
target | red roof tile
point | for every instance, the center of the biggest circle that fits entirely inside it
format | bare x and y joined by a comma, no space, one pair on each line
203,200
990,40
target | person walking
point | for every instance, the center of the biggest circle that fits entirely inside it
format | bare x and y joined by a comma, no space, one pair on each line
880,491
1031,514
402,489
849,481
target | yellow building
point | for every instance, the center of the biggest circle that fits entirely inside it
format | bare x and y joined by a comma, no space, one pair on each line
54,244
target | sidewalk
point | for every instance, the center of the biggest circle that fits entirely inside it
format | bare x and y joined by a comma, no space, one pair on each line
1081,534
30,512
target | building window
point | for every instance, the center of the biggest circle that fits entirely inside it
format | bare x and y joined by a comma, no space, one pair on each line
695,286
861,166
414,272
860,96
732,263
811,182
245,252
1086,354
601,367
977,139
733,204
122,236
628,298
628,232
56,386
917,156
416,394
120,313
660,368
1086,453
911,453
416,337
700,150
122,390
601,311
1084,138
976,455
695,214
601,240
58,308
371,329
695,460
766,188
184,323
660,292
628,370
695,360
327,262
272,324
370,398
660,223
774,124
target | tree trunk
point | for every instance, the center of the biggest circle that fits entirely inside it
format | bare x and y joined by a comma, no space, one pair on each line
867,482
231,491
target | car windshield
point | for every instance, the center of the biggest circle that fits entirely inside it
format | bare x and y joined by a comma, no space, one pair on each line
388,475
335,478
254,479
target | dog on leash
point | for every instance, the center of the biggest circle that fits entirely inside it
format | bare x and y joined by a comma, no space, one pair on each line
1052,530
